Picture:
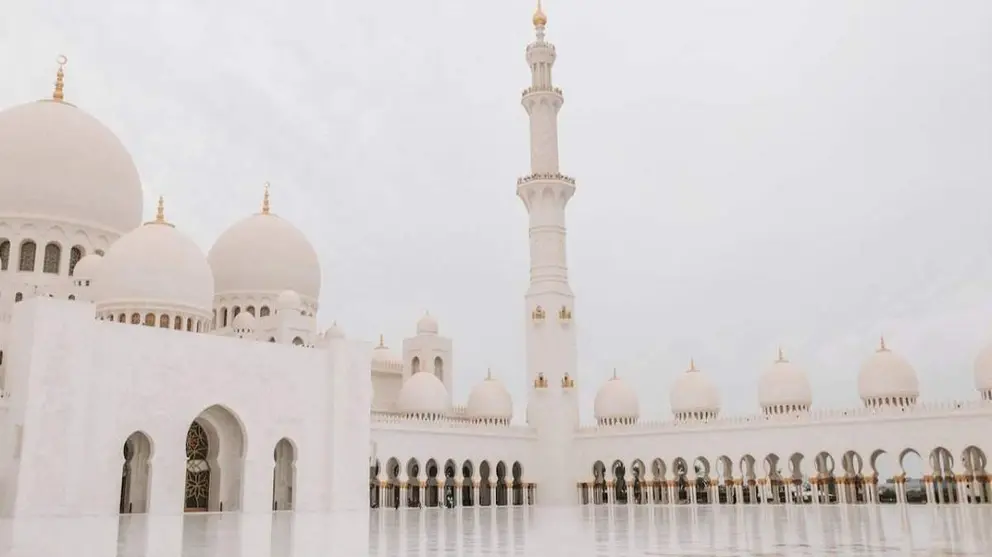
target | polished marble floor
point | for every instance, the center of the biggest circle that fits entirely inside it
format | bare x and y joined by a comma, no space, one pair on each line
766,531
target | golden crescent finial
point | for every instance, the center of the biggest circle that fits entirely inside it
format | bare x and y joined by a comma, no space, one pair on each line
160,212
781,356
265,200
881,344
540,20
58,94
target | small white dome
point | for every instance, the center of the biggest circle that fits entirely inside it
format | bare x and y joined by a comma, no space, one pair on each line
983,369
427,325
489,400
784,386
244,322
616,401
693,392
382,353
265,254
156,265
87,267
288,300
423,393
887,375
334,331
57,162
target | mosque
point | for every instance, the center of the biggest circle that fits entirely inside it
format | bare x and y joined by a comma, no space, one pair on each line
140,375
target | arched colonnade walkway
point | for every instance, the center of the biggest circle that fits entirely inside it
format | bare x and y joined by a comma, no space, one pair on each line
215,454
878,477
412,485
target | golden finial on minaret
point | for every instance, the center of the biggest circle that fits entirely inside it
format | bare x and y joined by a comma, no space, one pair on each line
58,95
382,341
692,365
781,356
881,344
540,20
265,200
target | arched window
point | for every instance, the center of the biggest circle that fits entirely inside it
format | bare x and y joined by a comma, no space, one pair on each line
4,254
163,321
223,317
53,257
439,368
75,254
298,341
178,324
415,365
251,310
263,311
198,325
189,324
18,297
235,311
149,319
135,319
72,296
28,249
121,318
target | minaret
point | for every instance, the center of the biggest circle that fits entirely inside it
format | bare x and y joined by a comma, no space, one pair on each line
550,340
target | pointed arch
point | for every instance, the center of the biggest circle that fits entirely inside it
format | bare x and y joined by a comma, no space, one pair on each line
284,475
75,254
215,448
53,258
136,473
27,256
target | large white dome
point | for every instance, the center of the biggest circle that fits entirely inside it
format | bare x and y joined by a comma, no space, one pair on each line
265,254
783,387
155,265
59,163
887,378
489,400
693,394
423,393
616,402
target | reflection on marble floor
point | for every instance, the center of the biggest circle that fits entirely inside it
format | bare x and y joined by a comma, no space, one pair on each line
577,532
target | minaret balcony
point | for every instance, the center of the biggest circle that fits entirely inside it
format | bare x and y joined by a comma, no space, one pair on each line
546,177
538,90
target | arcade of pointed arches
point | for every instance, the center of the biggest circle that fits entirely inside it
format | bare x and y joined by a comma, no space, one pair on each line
215,451
794,480
412,485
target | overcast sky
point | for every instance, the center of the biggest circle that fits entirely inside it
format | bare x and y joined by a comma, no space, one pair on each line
750,174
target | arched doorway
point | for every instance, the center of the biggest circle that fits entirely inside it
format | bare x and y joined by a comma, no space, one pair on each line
215,444
136,474
284,475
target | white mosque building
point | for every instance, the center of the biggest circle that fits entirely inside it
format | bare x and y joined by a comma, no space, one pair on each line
140,375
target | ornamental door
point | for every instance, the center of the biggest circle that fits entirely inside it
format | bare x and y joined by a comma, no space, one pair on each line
197,469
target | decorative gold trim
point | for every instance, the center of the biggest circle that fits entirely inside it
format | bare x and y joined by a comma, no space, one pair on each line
538,314
564,314
567,382
539,19
541,382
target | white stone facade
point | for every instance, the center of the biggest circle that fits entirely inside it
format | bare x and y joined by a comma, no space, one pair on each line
160,379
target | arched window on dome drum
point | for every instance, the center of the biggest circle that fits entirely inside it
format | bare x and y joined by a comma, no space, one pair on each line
298,341
149,319
136,319
235,311
53,256
163,321
223,317
198,326
251,310
263,311
415,365
439,367
178,325
4,254
72,296
213,322
75,254
122,318
18,297
26,262
189,324
99,252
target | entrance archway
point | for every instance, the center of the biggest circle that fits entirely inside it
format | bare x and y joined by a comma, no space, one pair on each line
136,474
284,475
215,451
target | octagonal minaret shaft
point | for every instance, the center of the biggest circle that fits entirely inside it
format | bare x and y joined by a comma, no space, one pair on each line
552,409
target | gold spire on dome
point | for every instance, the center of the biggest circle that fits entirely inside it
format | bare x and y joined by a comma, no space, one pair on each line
781,356
489,374
692,365
614,373
382,341
881,344
58,95
265,200
540,19
160,213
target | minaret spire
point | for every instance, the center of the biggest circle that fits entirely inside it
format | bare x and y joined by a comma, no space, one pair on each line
265,200
58,94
